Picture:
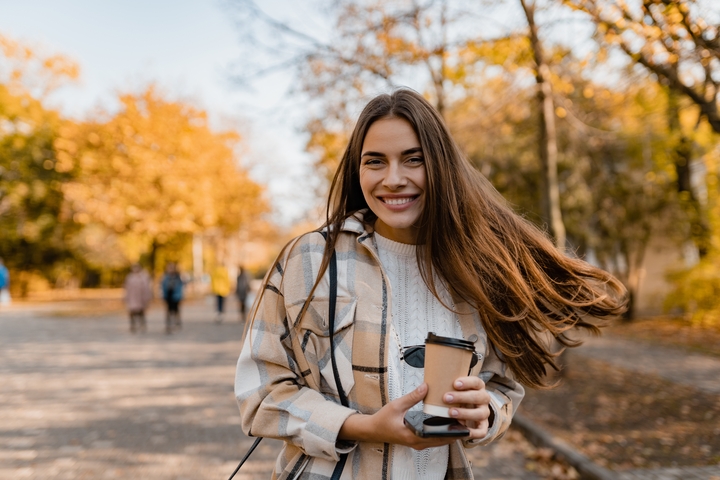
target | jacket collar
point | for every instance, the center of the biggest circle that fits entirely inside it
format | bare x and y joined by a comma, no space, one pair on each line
355,223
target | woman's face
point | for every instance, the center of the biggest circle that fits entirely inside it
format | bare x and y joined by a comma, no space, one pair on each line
393,178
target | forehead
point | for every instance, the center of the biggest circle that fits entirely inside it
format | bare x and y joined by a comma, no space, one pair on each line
389,135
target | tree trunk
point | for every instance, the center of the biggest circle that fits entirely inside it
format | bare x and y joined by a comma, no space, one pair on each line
682,156
548,137
153,258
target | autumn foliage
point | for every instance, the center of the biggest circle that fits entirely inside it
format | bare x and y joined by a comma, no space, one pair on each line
78,196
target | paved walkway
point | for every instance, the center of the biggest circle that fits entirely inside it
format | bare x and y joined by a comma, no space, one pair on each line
681,367
678,366
82,398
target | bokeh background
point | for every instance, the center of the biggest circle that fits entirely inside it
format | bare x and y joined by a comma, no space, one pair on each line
206,134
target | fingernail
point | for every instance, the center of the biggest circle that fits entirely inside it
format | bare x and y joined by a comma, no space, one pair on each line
453,413
449,398
458,384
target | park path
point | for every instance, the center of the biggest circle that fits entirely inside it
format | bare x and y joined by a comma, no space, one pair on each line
82,398
676,365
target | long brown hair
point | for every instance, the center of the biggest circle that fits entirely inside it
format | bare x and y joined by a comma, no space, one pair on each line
487,255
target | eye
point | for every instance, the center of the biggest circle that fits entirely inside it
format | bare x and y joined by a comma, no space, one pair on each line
372,162
416,160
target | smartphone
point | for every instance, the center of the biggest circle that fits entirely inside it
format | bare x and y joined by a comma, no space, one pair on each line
424,425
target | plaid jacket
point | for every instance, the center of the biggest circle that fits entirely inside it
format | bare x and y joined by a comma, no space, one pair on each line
284,382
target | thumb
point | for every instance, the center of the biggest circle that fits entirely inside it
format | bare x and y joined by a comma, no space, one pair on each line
412,398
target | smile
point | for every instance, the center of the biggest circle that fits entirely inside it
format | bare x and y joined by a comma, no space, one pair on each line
398,201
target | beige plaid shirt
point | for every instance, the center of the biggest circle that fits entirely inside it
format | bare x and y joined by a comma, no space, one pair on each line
284,382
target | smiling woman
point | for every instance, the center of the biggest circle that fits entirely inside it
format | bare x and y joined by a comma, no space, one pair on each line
417,242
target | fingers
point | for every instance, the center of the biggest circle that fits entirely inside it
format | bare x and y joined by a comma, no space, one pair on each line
413,398
469,383
477,414
468,390
470,405
388,425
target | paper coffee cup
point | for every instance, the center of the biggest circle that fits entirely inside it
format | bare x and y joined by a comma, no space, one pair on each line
446,359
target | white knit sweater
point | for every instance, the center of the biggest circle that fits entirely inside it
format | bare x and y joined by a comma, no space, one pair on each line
415,312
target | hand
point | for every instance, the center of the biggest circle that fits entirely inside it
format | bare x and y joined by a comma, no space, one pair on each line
387,425
471,405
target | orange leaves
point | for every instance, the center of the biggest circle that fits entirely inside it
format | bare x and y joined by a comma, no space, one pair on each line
156,169
29,70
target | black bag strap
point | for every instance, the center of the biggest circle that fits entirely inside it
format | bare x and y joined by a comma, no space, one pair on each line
247,455
337,472
333,302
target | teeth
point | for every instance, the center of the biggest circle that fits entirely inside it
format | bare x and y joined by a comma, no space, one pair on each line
398,201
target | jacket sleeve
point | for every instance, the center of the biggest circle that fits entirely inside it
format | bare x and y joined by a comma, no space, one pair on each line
505,396
270,389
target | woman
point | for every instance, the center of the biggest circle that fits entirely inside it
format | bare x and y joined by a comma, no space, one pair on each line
423,243
138,295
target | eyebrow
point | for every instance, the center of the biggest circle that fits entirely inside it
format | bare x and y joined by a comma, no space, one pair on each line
404,152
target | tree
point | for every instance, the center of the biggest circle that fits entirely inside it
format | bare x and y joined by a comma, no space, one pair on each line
154,173
377,45
372,47
33,221
550,199
32,71
614,170
675,40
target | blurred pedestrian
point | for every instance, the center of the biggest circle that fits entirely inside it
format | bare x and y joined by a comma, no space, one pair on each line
172,290
220,285
138,294
4,284
242,287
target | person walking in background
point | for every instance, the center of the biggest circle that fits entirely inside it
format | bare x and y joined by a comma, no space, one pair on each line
172,290
242,287
220,285
138,294
4,284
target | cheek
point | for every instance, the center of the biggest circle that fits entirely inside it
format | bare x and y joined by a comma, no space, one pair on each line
366,185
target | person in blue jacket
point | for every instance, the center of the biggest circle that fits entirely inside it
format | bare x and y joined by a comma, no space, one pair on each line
4,284
172,291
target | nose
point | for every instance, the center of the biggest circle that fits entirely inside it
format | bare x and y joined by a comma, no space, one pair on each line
395,176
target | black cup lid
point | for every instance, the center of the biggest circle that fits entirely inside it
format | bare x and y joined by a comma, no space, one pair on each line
450,342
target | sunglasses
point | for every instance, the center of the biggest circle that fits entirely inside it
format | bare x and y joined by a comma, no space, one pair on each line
415,356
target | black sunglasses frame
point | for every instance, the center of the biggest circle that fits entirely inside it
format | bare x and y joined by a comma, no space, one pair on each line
414,356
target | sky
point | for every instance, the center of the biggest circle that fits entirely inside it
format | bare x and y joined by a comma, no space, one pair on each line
186,47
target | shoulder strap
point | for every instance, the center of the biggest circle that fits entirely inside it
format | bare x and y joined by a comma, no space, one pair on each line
247,455
333,302
340,466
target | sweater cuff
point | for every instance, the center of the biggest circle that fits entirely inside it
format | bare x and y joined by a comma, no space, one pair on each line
320,436
494,429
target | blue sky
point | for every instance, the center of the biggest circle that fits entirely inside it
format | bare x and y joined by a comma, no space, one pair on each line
186,47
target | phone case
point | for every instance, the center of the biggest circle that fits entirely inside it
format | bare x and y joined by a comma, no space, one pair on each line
424,425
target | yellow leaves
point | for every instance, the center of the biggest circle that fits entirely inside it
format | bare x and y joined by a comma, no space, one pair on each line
64,162
510,52
156,169
30,70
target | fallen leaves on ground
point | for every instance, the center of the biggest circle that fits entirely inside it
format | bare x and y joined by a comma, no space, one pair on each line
623,420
